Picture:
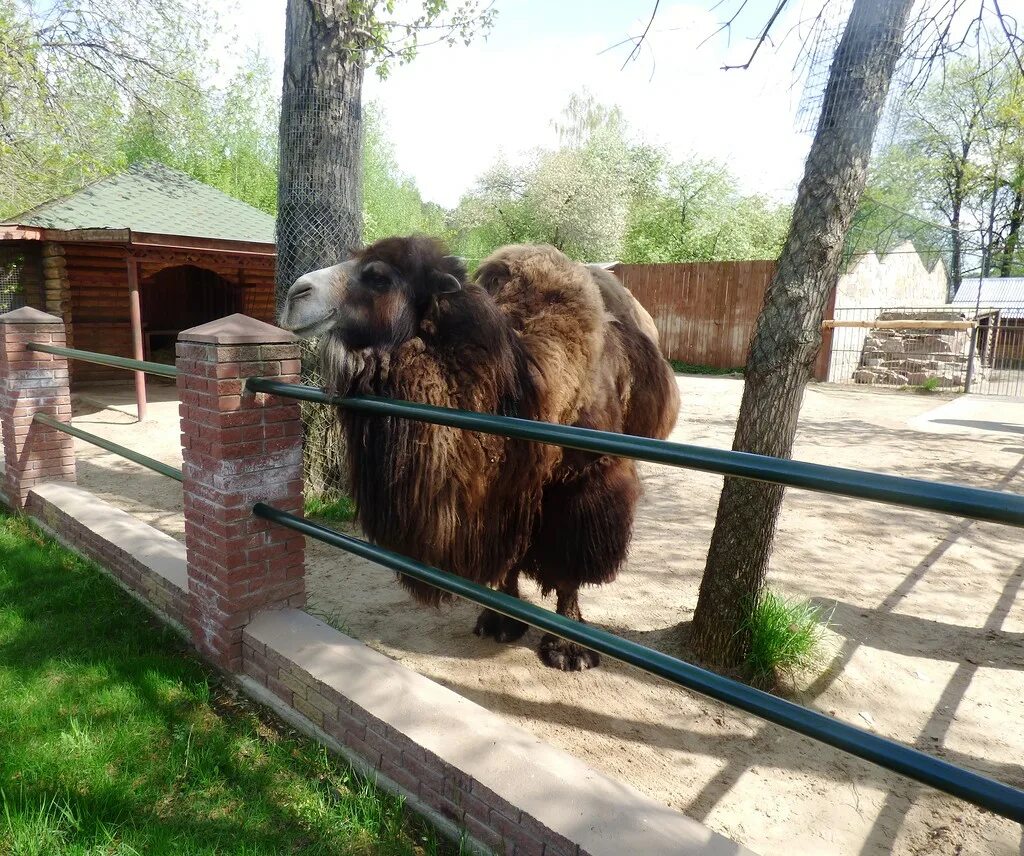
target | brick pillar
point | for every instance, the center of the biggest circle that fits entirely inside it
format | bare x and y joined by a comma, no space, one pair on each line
238,449
30,383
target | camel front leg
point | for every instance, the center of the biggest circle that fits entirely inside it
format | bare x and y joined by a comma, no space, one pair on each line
500,627
560,653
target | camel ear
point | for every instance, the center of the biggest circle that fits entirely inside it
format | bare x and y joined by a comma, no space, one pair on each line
493,275
446,283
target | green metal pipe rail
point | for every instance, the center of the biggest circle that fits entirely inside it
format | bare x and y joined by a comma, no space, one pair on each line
107,360
972,787
977,503
110,446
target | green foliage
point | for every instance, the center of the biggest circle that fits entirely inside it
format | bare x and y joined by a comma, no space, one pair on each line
600,196
341,509
386,40
785,637
955,161
115,739
932,384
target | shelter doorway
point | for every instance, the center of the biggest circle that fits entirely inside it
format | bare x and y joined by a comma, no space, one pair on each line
177,298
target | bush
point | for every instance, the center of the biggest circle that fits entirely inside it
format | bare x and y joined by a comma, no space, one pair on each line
786,637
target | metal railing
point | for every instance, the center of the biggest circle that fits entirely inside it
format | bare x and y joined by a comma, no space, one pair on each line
107,360
927,769
969,502
110,446
133,456
976,503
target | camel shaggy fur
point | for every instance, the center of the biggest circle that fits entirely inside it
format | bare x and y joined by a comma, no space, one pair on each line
536,336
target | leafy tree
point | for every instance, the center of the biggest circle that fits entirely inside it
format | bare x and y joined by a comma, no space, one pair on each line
956,161
601,196
696,213
68,67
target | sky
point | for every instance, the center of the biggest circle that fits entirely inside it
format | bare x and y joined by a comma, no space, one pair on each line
454,110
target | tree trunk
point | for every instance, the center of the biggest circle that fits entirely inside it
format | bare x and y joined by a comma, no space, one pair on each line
788,332
956,258
1013,235
320,186
320,183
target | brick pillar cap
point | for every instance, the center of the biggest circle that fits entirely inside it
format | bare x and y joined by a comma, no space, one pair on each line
237,329
28,315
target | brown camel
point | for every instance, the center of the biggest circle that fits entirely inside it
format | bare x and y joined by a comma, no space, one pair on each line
536,336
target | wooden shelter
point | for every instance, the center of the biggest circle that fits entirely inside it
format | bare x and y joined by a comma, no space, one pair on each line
131,260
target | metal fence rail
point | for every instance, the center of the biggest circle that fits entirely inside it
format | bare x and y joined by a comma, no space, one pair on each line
976,503
133,456
919,766
107,360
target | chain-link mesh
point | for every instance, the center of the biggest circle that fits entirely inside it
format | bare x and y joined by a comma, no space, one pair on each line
325,471
12,276
318,224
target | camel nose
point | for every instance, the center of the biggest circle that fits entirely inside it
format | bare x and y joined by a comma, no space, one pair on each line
302,288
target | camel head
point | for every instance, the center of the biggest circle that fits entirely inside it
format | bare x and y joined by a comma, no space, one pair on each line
378,297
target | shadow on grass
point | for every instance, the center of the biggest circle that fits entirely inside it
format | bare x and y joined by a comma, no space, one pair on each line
112,735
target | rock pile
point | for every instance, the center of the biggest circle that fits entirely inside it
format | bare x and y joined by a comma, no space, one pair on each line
912,357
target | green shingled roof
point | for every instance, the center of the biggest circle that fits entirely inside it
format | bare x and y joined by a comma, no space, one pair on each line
153,198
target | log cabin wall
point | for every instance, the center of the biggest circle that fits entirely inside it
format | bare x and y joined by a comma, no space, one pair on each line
95,306
97,317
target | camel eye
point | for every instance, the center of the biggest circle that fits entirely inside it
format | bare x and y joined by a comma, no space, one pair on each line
376,275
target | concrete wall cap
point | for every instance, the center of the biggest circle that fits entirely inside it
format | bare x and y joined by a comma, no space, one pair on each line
237,329
28,315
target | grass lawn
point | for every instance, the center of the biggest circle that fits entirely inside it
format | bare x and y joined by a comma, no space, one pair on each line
114,739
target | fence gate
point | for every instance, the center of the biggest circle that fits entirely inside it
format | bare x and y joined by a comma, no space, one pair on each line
999,344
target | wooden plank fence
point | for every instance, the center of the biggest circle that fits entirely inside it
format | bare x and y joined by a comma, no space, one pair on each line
705,311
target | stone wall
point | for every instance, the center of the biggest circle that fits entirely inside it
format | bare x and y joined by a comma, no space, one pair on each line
898,278
912,357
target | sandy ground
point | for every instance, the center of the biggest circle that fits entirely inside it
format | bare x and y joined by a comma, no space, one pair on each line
928,641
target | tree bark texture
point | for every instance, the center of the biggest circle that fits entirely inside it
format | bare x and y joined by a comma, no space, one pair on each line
320,188
788,331
320,183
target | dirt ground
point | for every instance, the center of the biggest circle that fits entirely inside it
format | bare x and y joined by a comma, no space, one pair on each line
927,637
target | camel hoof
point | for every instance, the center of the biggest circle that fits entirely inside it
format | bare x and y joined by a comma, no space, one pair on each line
567,656
499,627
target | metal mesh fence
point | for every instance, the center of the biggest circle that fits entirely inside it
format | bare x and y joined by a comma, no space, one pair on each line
325,471
12,287
951,348
319,205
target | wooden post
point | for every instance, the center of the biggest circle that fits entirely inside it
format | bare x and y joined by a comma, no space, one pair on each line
135,309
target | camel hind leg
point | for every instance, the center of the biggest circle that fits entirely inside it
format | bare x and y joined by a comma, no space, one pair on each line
582,539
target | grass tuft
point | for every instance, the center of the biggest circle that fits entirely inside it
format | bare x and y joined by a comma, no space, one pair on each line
786,637
340,510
